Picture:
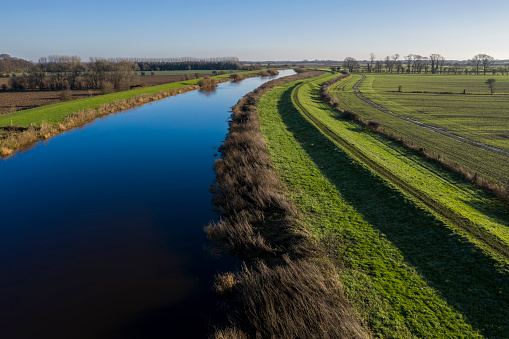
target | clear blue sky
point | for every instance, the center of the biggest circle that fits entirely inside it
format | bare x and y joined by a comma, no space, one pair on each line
255,30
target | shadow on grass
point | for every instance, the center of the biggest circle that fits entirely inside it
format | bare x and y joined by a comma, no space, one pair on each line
464,276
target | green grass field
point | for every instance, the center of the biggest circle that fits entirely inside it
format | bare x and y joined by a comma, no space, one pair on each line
407,270
477,115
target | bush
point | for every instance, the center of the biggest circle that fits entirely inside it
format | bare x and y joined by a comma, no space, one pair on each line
207,83
66,95
373,124
237,76
106,88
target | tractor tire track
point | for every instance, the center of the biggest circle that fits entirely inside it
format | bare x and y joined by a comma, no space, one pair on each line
458,221
480,145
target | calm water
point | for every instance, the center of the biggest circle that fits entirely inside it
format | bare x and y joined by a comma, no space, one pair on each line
101,234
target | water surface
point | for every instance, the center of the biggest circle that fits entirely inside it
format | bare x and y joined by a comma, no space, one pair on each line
101,234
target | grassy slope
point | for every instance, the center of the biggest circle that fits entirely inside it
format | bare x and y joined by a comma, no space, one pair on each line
457,113
57,112
406,272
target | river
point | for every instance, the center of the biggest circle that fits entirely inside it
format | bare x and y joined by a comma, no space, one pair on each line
101,234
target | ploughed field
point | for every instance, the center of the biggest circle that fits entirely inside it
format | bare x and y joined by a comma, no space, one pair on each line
16,101
432,112
420,251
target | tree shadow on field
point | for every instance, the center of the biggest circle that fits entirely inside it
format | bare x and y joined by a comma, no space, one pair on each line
464,276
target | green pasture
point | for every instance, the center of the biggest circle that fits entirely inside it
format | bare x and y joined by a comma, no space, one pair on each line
479,117
407,273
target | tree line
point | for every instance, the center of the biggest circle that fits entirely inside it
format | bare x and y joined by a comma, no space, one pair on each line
417,64
60,72
188,64
10,64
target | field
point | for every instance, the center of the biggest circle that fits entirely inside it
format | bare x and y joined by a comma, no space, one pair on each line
471,129
420,251
182,72
16,101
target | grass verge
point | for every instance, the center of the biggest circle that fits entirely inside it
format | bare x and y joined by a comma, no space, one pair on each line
407,273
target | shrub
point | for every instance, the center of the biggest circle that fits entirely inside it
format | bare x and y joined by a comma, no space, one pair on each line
207,83
237,76
373,124
106,88
66,95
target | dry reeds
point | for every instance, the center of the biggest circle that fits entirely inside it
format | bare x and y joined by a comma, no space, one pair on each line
278,297
297,299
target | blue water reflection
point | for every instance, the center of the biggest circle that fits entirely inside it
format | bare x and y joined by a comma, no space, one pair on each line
102,227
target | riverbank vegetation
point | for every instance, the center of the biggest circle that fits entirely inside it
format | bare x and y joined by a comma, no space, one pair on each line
430,261
21,129
285,291
207,83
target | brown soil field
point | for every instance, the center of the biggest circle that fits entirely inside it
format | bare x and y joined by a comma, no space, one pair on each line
15,101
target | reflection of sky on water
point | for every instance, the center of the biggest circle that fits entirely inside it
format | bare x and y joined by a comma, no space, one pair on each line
102,226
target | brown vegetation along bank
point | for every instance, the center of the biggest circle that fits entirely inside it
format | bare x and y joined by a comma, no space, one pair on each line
14,139
499,191
289,289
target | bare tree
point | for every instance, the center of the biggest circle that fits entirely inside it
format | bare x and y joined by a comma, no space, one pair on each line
388,64
491,85
476,62
408,59
487,61
350,63
372,60
436,61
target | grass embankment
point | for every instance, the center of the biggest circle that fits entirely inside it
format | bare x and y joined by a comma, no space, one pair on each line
23,128
438,101
408,271
291,293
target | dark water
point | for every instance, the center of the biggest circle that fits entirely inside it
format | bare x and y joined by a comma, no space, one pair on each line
101,229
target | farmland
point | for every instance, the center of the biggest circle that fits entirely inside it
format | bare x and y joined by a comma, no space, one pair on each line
430,261
471,129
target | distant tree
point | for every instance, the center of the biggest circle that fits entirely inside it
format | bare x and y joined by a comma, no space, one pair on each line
378,66
436,61
408,59
350,63
394,58
476,62
491,85
487,61
371,61
388,64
